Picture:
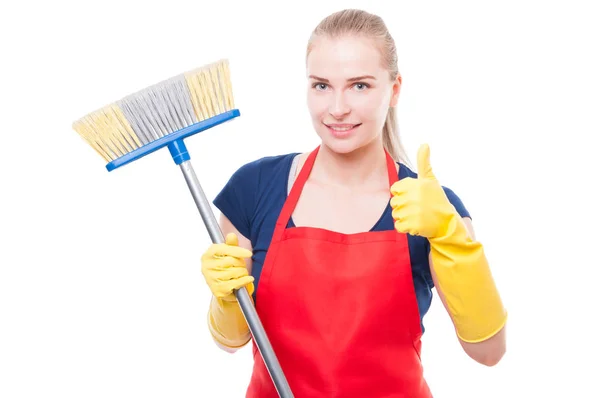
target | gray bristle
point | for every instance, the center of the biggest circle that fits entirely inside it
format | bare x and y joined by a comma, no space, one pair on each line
160,109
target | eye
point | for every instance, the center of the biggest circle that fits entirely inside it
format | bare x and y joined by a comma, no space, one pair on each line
361,86
320,86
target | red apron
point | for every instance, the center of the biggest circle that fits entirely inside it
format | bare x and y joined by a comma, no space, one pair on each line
340,311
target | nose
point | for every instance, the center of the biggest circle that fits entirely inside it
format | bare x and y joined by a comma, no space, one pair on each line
339,108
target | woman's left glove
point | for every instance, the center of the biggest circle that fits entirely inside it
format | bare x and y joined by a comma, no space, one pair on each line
421,207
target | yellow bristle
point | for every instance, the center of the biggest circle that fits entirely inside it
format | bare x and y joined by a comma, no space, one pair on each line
210,89
108,132
82,129
217,89
226,79
119,120
93,131
210,85
100,124
205,98
114,130
194,86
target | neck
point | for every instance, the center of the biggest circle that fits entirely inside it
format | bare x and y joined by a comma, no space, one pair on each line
366,165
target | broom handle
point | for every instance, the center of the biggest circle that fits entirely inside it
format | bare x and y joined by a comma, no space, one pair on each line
256,327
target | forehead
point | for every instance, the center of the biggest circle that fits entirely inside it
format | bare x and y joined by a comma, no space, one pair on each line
344,57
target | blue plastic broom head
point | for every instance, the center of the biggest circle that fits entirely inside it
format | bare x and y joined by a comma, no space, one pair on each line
161,115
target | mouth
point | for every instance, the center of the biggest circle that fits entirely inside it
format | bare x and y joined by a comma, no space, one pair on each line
342,129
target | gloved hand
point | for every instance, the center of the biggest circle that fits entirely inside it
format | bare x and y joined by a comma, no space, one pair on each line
421,207
224,270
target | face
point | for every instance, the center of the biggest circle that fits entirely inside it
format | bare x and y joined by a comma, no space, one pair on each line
349,92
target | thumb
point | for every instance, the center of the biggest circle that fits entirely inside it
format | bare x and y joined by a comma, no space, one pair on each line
423,165
231,239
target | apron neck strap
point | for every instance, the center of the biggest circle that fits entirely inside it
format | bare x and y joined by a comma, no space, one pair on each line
294,196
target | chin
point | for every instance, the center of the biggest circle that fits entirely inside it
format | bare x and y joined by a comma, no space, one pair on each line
341,147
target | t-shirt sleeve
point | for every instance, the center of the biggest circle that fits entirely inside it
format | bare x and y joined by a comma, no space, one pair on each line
237,199
457,203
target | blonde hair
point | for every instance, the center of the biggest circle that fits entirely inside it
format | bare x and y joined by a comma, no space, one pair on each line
362,23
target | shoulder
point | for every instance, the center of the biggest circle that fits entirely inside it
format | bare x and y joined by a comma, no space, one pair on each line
404,171
263,168
239,198
252,179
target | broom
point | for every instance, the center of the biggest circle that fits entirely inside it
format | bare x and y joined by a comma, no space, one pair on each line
164,114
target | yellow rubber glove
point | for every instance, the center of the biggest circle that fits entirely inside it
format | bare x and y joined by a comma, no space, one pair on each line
224,270
421,207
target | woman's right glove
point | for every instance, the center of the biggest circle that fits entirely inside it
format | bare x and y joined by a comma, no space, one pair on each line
224,270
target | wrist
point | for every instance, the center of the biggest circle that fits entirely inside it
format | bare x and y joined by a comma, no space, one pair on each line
452,230
227,324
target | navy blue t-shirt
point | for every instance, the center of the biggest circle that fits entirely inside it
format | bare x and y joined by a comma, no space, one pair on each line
254,196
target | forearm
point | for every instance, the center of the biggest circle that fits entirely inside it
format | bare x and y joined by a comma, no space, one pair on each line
227,324
487,352
465,280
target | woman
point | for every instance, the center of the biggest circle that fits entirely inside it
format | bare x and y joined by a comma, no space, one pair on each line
340,247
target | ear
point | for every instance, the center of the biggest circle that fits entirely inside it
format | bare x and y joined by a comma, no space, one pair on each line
395,91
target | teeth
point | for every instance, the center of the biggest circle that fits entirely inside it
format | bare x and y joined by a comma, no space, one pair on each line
341,128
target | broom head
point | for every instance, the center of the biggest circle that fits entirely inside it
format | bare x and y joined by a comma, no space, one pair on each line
160,115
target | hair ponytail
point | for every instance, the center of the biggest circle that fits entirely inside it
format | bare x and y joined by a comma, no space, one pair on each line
391,138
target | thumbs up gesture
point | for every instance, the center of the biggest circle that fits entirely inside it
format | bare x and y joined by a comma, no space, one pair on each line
420,205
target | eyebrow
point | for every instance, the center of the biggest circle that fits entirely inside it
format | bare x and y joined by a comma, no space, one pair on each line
352,79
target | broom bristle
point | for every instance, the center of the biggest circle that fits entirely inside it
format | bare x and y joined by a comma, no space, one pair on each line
158,110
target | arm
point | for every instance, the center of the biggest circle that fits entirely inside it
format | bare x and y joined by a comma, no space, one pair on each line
487,352
457,261
231,320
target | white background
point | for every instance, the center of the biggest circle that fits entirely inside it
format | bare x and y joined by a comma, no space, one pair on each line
100,286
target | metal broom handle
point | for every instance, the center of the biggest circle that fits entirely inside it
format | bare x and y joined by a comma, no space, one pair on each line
256,327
